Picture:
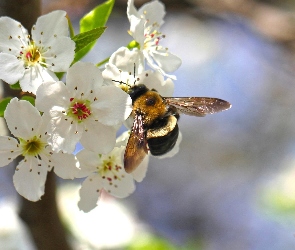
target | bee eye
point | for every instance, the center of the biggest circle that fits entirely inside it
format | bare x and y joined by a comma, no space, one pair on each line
150,101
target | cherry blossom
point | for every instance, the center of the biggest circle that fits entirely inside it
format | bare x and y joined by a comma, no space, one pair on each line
33,59
144,28
83,110
31,143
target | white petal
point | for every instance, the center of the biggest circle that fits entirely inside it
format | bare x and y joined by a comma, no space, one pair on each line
126,59
111,111
64,135
137,29
155,80
29,179
88,162
52,94
120,187
60,55
11,69
131,9
82,79
153,12
12,36
50,26
167,61
99,138
9,150
34,77
64,165
111,74
90,193
140,172
21,110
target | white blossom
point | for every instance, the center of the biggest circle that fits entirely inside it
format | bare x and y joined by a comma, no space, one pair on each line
33,59
144,28
29,127
104,172
125,69
83,110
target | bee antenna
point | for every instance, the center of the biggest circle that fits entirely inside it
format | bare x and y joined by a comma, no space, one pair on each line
121,82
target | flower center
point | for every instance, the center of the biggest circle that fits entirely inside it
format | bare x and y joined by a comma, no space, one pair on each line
152,37
31,55
109,170
79,109
32,147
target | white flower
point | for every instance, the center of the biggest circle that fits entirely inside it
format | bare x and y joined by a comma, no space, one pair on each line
26,123
83,110
32,60
125,69
144,28
104,172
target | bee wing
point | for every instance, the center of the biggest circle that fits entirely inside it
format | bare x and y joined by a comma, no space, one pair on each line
197,106
136,148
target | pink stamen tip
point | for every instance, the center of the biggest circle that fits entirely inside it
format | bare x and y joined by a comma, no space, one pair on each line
28,55
71,99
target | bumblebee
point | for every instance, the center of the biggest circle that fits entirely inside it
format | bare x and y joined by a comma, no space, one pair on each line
155,127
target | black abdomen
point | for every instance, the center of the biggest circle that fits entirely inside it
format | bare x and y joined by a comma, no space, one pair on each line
162,138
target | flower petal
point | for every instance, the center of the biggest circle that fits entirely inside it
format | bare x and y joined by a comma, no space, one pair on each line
11,69
89,161
64,165
29,179
120,187
140,172
82,79
126,60
34,77
60,55
167,61
155,80
137,29
52,94
131,9
90,192
153,12
50,26
111,111
9,150
64,132
20,110
99,138
12,36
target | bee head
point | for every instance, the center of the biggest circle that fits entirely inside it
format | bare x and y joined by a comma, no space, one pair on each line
136,91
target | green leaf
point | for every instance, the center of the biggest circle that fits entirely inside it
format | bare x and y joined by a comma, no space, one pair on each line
86,38
98,17
94,19
28,98
15,86
3,104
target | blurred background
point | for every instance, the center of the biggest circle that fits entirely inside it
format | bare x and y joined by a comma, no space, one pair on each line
232,185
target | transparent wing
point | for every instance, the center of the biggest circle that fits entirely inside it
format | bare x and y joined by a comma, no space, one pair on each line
197,106
136,148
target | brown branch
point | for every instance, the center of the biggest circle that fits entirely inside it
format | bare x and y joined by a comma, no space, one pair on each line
41,217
